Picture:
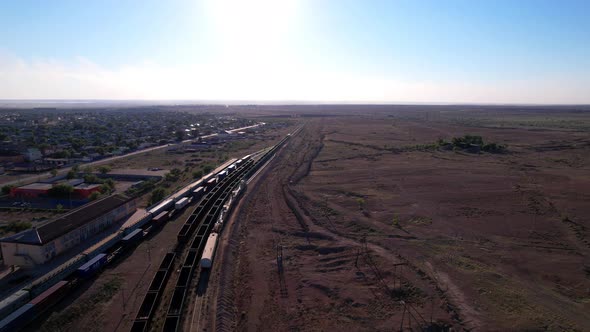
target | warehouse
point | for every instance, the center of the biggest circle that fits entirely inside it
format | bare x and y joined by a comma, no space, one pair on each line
40,245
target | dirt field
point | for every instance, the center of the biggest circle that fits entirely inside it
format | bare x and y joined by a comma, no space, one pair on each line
378,231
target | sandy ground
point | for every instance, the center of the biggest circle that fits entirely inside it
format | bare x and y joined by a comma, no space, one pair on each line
365,218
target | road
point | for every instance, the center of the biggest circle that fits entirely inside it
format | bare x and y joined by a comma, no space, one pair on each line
37,177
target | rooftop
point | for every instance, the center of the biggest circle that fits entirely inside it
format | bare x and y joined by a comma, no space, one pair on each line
37,186
68,222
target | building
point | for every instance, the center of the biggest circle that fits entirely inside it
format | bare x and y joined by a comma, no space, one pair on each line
85,189
40,245
40,189
31,190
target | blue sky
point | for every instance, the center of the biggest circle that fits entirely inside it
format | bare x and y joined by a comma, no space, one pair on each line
297,50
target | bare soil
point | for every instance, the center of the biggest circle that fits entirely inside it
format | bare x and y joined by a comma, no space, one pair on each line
378,233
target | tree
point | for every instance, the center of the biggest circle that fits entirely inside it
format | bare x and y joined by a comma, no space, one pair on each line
71,174
76,168
179,135
6,189
88,169
94,195
157,195
104,169
53,172
207,168
107,186
61,190
198,174
59,208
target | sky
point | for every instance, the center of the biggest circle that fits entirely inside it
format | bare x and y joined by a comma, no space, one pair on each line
356,51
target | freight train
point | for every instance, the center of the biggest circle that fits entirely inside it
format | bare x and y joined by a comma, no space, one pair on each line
29,308
211,244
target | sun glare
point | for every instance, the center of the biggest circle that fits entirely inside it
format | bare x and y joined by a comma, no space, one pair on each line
251,28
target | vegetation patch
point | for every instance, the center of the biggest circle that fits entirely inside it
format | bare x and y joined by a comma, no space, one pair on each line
465,143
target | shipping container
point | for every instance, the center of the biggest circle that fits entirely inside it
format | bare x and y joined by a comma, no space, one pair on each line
14,302
199,192
221,175
18,319
133,237
161,207
231,168
211,183
239,162
52,295
209,251
92,266
161,217
181,203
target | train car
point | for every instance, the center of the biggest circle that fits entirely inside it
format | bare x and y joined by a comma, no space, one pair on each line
18,319
52,295
181,203
160,218
161,207
211,183
231,168
221,175
92,266
199,192
209,251
13,302
133,237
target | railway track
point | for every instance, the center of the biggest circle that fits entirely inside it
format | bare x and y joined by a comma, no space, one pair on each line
194,232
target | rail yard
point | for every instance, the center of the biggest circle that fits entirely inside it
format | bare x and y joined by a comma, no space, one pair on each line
349,221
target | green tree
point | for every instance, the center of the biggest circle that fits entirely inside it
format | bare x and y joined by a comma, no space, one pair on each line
53,172
59,208
76,168
207,168
88,169
6,189
61,190
104,169
179,135
94,195
198,174
157,195
71,174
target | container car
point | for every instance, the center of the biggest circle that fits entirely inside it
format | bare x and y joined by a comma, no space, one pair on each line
160,218
221,175
18,319
211,183
92,266
161,207
199,192
209,251
181,203
132,237
231,168
14,302
52,295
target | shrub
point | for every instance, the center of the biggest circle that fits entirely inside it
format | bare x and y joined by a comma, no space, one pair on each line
157,195
6,189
